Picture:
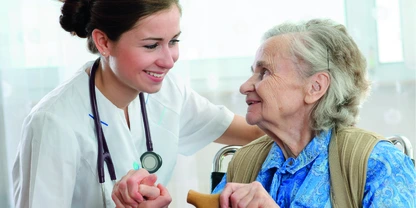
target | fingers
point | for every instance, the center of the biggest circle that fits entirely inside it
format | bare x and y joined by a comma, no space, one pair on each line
147,188
167,199
137,189
132,198
132,184
126,191
150,180
117,197
256,203
149,192
163,190
245,195
229,189
118,203
241,198
164,199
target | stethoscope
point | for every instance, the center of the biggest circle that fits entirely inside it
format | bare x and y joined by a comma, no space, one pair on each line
149,160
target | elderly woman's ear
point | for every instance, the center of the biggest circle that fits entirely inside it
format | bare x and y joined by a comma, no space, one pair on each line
316,87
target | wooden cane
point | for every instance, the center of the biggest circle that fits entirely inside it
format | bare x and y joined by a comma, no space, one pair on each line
200,200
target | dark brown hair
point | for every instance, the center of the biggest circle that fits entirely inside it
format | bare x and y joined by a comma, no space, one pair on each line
113,17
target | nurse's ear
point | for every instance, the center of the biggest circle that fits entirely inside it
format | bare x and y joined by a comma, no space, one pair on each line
101,42
317,85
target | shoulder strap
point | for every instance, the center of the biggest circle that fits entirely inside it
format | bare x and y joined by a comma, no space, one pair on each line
247,161
349,151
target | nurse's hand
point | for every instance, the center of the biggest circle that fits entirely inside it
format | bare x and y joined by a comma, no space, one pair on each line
162,201
134,188
251,195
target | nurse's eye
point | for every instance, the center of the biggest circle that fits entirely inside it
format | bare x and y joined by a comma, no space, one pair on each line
174,42
153,46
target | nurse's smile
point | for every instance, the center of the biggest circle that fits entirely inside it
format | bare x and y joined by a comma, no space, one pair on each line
155,76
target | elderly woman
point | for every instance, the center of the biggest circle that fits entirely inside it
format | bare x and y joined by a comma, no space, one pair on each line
305,92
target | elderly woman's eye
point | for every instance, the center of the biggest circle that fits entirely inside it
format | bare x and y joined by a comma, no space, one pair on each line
261,74
264,73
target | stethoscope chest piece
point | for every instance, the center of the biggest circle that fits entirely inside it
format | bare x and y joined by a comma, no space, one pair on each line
151,161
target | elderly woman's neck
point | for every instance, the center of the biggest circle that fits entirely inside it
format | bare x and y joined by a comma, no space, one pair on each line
294,141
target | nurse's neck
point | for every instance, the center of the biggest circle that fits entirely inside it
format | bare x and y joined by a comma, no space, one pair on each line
113,89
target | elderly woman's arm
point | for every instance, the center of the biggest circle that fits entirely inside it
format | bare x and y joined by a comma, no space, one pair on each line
391,178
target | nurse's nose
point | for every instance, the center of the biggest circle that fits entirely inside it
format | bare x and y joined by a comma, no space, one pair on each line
167,58
247,86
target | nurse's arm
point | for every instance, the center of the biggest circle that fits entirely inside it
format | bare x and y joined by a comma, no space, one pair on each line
239,132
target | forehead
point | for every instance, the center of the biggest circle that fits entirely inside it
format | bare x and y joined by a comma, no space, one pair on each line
274,46
163,23
273,50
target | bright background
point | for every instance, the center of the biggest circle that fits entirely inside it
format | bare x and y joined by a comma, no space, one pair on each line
218,41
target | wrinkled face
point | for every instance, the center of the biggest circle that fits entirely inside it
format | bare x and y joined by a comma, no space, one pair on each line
143,55
275,92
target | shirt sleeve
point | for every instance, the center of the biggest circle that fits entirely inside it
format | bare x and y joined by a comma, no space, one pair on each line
391,178
44,171
201,122
218,189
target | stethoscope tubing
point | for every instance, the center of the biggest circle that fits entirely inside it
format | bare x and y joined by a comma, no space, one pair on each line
149,144
103,151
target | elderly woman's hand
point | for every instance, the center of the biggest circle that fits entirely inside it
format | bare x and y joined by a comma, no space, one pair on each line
137,189
251,195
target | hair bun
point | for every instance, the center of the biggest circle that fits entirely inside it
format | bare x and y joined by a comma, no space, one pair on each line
75,17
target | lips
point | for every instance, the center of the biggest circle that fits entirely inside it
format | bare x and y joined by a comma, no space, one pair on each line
155,74
251,102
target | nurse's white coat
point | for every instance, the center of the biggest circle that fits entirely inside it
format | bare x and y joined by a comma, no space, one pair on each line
56,164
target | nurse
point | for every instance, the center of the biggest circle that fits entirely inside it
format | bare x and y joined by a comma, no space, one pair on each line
137,44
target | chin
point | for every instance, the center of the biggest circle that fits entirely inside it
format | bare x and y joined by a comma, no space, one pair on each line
250,120
153,89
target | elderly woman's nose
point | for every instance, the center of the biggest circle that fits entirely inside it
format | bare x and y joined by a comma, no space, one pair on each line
246,87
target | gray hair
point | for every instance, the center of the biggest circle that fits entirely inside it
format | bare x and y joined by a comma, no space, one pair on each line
325,46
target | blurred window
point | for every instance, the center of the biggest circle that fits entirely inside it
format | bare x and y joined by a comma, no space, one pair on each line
389,33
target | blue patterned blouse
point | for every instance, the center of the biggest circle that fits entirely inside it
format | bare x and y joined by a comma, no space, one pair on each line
304,181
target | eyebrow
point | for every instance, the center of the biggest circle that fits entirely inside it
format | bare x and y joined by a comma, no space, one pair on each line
160,39
260,64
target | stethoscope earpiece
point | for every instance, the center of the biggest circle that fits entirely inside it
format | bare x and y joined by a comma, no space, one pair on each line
151,161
